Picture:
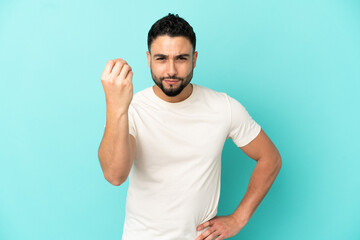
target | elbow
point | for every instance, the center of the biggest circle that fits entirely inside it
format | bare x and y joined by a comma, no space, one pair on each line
279,162
116,181
275,160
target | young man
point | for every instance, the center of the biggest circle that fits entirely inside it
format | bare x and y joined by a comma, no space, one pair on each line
168,140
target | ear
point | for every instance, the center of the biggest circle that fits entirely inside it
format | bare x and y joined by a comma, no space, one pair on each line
148,55
195,58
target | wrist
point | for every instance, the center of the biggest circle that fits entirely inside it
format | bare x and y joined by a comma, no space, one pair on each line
116,112
114,118
241,220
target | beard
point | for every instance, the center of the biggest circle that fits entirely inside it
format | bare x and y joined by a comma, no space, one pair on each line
172,91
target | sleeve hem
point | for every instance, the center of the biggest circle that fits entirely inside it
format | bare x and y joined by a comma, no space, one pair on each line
133,134
249,138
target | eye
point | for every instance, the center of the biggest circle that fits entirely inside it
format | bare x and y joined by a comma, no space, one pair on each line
182,58
160,59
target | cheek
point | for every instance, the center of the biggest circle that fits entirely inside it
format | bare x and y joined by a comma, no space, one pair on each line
158,68
184,68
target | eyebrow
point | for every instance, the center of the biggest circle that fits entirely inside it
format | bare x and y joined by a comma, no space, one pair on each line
162,55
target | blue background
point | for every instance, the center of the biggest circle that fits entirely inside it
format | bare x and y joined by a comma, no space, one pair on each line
294,65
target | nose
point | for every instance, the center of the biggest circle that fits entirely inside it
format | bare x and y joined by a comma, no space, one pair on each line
172,68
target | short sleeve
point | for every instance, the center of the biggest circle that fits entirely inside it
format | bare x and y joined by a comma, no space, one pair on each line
243,129
132,128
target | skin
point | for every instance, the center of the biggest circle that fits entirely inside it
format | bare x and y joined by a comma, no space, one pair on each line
261,149
168,60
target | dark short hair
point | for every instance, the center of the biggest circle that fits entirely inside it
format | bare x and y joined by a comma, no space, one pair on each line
173,26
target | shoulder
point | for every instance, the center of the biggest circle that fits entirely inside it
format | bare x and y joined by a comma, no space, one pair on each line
211,93
217,98
221,99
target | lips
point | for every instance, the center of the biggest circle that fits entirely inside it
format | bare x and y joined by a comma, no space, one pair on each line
171,81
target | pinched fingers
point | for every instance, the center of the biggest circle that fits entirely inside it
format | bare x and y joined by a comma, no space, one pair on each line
117,69
112,69
130,76
125,72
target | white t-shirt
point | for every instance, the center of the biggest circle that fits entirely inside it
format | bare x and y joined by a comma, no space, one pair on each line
174,183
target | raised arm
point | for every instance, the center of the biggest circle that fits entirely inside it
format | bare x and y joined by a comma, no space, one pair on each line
117,148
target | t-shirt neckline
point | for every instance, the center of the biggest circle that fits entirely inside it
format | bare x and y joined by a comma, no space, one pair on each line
177,104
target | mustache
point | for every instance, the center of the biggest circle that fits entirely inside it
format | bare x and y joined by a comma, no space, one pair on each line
170,78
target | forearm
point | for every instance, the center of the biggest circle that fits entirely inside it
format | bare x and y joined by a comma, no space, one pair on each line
114,151
261,179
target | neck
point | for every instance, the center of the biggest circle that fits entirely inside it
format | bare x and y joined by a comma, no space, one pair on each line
185,93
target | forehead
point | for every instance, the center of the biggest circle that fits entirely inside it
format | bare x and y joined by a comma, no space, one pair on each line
171,45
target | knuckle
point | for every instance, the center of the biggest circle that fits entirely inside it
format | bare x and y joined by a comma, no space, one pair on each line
127,84
121,80
104,78
123,84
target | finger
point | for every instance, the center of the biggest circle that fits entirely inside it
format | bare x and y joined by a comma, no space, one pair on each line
114,61
204,225
129,76
117,68
120,60
216,234
206,233
109,65
220,237
124,71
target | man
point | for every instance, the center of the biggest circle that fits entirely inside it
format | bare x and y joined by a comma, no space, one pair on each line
168,140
